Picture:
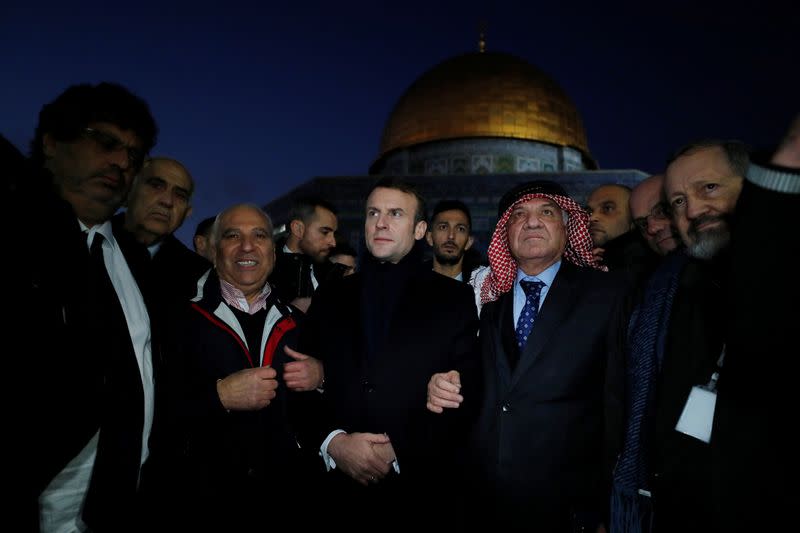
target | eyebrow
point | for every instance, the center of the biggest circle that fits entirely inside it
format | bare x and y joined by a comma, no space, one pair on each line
158,179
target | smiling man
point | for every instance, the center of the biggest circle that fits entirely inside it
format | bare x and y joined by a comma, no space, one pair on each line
702,186
381,334
683,321
235,447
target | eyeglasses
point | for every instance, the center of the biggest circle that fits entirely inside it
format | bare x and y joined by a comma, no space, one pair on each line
659,212
111,143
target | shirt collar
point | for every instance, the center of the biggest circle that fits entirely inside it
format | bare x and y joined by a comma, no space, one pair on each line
236,299
546,276
103,229
154,248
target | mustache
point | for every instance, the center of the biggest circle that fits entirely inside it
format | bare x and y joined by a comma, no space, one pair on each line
113,172
704,219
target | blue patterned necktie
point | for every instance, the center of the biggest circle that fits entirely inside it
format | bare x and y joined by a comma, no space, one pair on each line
533,289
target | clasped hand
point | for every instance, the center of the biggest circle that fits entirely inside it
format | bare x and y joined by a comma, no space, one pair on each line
365,457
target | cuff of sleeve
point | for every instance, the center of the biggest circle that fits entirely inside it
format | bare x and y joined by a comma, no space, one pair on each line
330,464
774,180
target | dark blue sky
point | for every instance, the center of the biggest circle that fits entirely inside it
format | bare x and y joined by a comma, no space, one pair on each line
256,98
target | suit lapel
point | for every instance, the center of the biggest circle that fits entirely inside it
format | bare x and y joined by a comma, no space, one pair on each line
559,301
503,312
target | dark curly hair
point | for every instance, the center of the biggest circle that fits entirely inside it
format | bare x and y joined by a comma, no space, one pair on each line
79,105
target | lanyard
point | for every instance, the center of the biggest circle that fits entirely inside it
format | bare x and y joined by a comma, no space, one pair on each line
712,383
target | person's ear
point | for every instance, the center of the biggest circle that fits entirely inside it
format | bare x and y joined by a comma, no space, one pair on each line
429,238
48,146
297,228
469,242
420,229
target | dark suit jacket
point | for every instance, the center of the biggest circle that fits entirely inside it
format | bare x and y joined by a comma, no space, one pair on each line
432,329
539,446
754,456
291,277
77,345
169,278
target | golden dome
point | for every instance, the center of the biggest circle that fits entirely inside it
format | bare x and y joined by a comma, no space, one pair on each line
484,95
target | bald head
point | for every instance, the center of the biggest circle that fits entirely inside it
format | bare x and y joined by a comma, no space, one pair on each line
159,200
609,214
243,249
648,208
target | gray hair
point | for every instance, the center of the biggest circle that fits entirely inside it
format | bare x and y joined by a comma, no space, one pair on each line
215,228
736,152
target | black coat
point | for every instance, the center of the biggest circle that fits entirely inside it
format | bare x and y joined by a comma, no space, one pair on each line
291,277
80,368
430,326
543,444
227,464
754,456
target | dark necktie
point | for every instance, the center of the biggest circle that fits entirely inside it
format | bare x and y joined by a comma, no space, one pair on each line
96,250
102,280
115,474
533,289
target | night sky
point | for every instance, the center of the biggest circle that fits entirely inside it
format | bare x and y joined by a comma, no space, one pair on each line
255,100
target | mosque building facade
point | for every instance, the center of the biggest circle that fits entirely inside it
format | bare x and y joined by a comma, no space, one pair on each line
470,128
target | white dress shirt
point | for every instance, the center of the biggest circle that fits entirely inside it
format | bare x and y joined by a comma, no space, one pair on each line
60,504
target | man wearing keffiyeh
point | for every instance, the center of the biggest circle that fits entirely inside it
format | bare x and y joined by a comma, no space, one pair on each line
550,415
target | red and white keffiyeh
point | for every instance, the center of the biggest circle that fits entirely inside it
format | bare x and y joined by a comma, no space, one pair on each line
504,267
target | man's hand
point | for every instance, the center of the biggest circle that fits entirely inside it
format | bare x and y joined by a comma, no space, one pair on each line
302,303
304,373
250,389
444,391
385,452
356,454
788,153
597,253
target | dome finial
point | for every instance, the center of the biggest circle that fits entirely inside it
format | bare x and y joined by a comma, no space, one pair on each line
482,36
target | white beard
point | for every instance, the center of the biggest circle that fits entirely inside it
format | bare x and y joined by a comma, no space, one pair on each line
709,243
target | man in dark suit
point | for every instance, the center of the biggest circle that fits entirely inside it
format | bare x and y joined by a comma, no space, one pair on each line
157,205
550,413
166,271
83,434
381,333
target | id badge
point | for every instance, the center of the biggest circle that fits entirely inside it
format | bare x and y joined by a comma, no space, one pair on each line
698,414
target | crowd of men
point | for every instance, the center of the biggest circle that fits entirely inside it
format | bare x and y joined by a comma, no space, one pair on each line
620,366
